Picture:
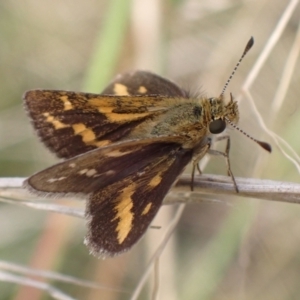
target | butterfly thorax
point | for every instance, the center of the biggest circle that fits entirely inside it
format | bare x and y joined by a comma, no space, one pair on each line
191,119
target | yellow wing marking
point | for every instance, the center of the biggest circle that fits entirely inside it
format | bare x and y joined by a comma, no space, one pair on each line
155,181
56,123
120,89
123,212
146,209
88,136
67,104
142,90
117,153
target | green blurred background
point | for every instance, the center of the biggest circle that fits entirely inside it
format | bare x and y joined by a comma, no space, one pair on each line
232,249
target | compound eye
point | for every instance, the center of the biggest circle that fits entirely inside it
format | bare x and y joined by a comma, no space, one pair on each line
217,126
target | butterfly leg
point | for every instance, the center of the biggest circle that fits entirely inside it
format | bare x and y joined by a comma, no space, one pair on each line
226,155
198,154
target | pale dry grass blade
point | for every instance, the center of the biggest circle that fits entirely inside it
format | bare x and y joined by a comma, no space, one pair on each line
169,232
23,281
205,184
25,271
273,39
252,76
287,74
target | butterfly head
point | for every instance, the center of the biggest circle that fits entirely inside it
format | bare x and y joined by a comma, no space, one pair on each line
221,113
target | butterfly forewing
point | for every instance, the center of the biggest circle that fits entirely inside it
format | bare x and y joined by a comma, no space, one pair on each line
71,123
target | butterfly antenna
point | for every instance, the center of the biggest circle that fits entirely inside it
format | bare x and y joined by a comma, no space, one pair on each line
247,48
264,145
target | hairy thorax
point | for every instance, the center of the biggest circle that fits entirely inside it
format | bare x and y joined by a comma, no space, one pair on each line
189,118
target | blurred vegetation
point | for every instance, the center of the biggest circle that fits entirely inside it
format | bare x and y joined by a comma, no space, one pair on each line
246,249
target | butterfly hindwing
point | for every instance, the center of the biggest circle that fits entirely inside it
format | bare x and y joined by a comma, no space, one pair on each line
98,168
120,213
143,83
126,183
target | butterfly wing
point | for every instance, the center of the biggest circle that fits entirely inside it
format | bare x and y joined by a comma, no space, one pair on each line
71,123
143,83
119,214
127,183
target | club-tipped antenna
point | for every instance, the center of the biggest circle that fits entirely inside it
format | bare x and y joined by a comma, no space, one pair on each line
247,48
264,145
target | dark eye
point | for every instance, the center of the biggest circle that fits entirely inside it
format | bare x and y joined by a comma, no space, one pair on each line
217,126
